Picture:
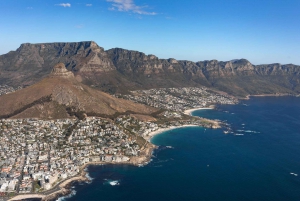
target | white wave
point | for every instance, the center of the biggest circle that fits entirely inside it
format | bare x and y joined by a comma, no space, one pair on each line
170,147
249,131
294,174
114,183
73,192
239,134
163,161
89,177
145,163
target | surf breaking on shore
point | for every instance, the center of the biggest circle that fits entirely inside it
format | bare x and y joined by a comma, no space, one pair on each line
65,190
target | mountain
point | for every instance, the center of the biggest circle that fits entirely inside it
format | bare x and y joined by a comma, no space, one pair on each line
60,95
118,70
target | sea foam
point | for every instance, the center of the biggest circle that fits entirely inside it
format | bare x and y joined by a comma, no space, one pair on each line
73,193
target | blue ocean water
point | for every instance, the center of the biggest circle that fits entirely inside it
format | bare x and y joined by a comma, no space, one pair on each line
262,162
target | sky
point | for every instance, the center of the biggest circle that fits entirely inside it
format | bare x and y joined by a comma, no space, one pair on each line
262,31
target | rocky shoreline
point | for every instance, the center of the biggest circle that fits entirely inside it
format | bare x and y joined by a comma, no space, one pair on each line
143,159
266,95
66,185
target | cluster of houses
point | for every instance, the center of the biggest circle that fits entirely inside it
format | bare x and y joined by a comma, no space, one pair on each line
178,99
144,128
5,89
136,126
37,154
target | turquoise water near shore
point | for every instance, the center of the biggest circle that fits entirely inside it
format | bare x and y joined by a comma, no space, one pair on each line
259,160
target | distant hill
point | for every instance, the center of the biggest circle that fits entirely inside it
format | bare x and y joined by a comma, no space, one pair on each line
118,70
60,95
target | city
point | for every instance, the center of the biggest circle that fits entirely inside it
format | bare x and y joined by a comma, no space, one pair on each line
37,155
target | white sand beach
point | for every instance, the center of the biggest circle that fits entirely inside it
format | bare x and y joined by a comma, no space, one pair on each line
161,130
189,112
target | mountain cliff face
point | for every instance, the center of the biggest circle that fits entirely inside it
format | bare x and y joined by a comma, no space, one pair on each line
31,62
120,70
238,77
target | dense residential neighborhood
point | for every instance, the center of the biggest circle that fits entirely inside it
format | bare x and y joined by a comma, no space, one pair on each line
36,154
5,89
179,99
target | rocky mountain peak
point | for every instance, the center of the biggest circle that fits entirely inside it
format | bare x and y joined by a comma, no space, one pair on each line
120,70
60,70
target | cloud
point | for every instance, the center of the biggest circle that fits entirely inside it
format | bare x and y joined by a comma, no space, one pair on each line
88,4
64,5
129,6
30,8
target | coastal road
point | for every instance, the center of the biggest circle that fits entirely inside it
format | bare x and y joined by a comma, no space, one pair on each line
57,188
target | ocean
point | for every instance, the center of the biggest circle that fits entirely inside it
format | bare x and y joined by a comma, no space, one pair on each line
258,159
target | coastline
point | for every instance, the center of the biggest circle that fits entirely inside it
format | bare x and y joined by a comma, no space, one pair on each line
265,95
143,159
63,190
64,186
190,111
162,130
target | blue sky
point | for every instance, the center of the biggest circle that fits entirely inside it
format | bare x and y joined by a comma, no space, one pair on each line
262,31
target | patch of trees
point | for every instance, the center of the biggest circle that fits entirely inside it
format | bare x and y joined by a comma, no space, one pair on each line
72,111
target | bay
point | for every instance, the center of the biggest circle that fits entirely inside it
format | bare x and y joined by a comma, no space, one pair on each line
259,160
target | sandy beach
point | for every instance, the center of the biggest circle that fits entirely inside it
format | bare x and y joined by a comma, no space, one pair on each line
135,161
189,112
161,130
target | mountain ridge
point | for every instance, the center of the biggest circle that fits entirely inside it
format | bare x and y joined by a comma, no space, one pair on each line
119,70
59,94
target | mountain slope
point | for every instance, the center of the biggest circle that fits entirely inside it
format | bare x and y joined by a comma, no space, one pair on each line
50,98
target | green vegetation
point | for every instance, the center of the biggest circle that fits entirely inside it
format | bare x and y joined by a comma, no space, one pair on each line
36,186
